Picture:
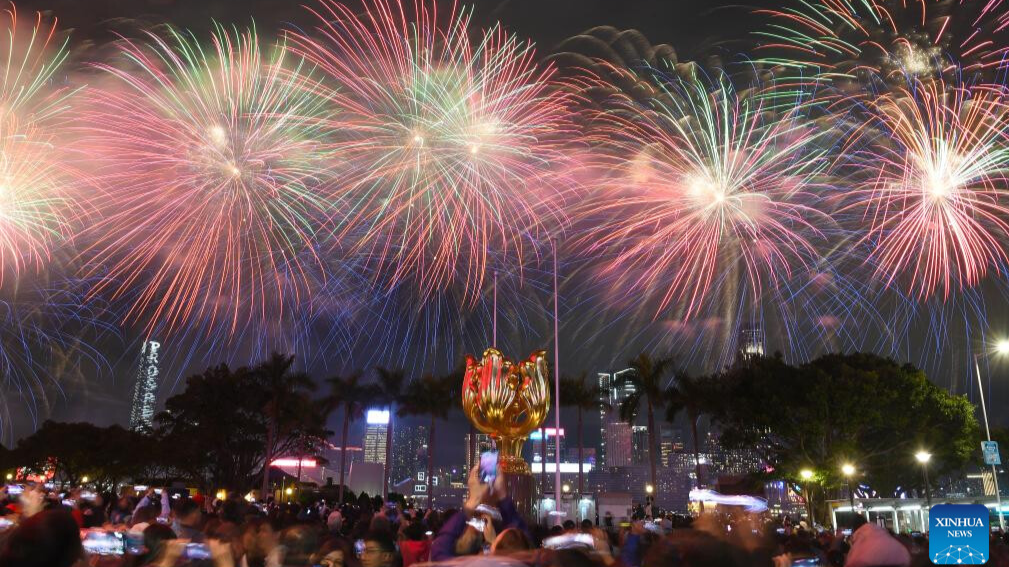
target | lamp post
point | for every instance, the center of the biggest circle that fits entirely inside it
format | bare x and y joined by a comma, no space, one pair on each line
848,470
923,457
807,476
1002,347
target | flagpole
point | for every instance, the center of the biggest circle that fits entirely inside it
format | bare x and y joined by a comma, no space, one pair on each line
493,341
557,391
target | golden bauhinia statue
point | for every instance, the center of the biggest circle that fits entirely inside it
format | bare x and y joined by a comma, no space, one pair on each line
508,401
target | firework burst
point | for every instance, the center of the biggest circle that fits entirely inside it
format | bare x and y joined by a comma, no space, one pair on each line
930,176
36,201
213,178
843,41
454,140
705,184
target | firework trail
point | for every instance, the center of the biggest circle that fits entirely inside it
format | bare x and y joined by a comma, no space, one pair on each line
455,141
213,167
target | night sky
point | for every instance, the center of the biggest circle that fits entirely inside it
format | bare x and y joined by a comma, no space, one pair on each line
695,28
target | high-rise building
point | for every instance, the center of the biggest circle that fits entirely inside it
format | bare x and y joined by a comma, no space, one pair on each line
146,389
588,455
375,436
553,440
409,451
618,444
751,342
615,446
639,445
670,442
737,462
483,444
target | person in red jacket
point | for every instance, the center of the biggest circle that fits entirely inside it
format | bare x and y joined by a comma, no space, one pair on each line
416,548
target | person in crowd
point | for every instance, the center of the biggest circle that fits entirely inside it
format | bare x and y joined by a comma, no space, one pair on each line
379,550
188,522
92,511
487,510
334,522
156,540
334,552
299,543
260,544
692,548
415,547
510,541
873,546
49,538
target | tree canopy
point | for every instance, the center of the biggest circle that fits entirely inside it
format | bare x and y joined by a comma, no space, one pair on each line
857,408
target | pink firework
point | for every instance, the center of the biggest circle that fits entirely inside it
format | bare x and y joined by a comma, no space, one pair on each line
213,177
705,188
454,140
930,176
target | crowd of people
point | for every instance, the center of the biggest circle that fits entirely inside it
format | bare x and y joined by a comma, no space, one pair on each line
44,528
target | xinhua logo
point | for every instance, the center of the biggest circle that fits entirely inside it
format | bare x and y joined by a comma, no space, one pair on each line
958,534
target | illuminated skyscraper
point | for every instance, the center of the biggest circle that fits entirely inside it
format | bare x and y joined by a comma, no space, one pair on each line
615,446
375,436
146,389
751,342
639,445
409,451
552,441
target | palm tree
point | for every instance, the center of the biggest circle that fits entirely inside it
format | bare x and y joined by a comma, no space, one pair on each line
353,396
390,390
648,376
284,389
692,396
431,396
582,395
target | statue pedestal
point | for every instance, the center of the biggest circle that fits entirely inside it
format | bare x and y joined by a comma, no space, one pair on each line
522,491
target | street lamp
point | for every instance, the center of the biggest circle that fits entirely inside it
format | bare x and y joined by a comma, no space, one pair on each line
84,479
649,489
9,476
848,470
566,488
1002,347
807,476
923,457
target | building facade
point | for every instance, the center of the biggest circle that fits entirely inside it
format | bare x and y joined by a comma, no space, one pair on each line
146,389
409,451
376,435
616,448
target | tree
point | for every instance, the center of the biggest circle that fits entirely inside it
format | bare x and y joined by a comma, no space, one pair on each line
390,390
582,395
859,408
649,377
106,455
352,395
215,431
431,396
285,391
692,396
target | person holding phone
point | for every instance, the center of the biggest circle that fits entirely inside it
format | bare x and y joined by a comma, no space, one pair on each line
487,502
